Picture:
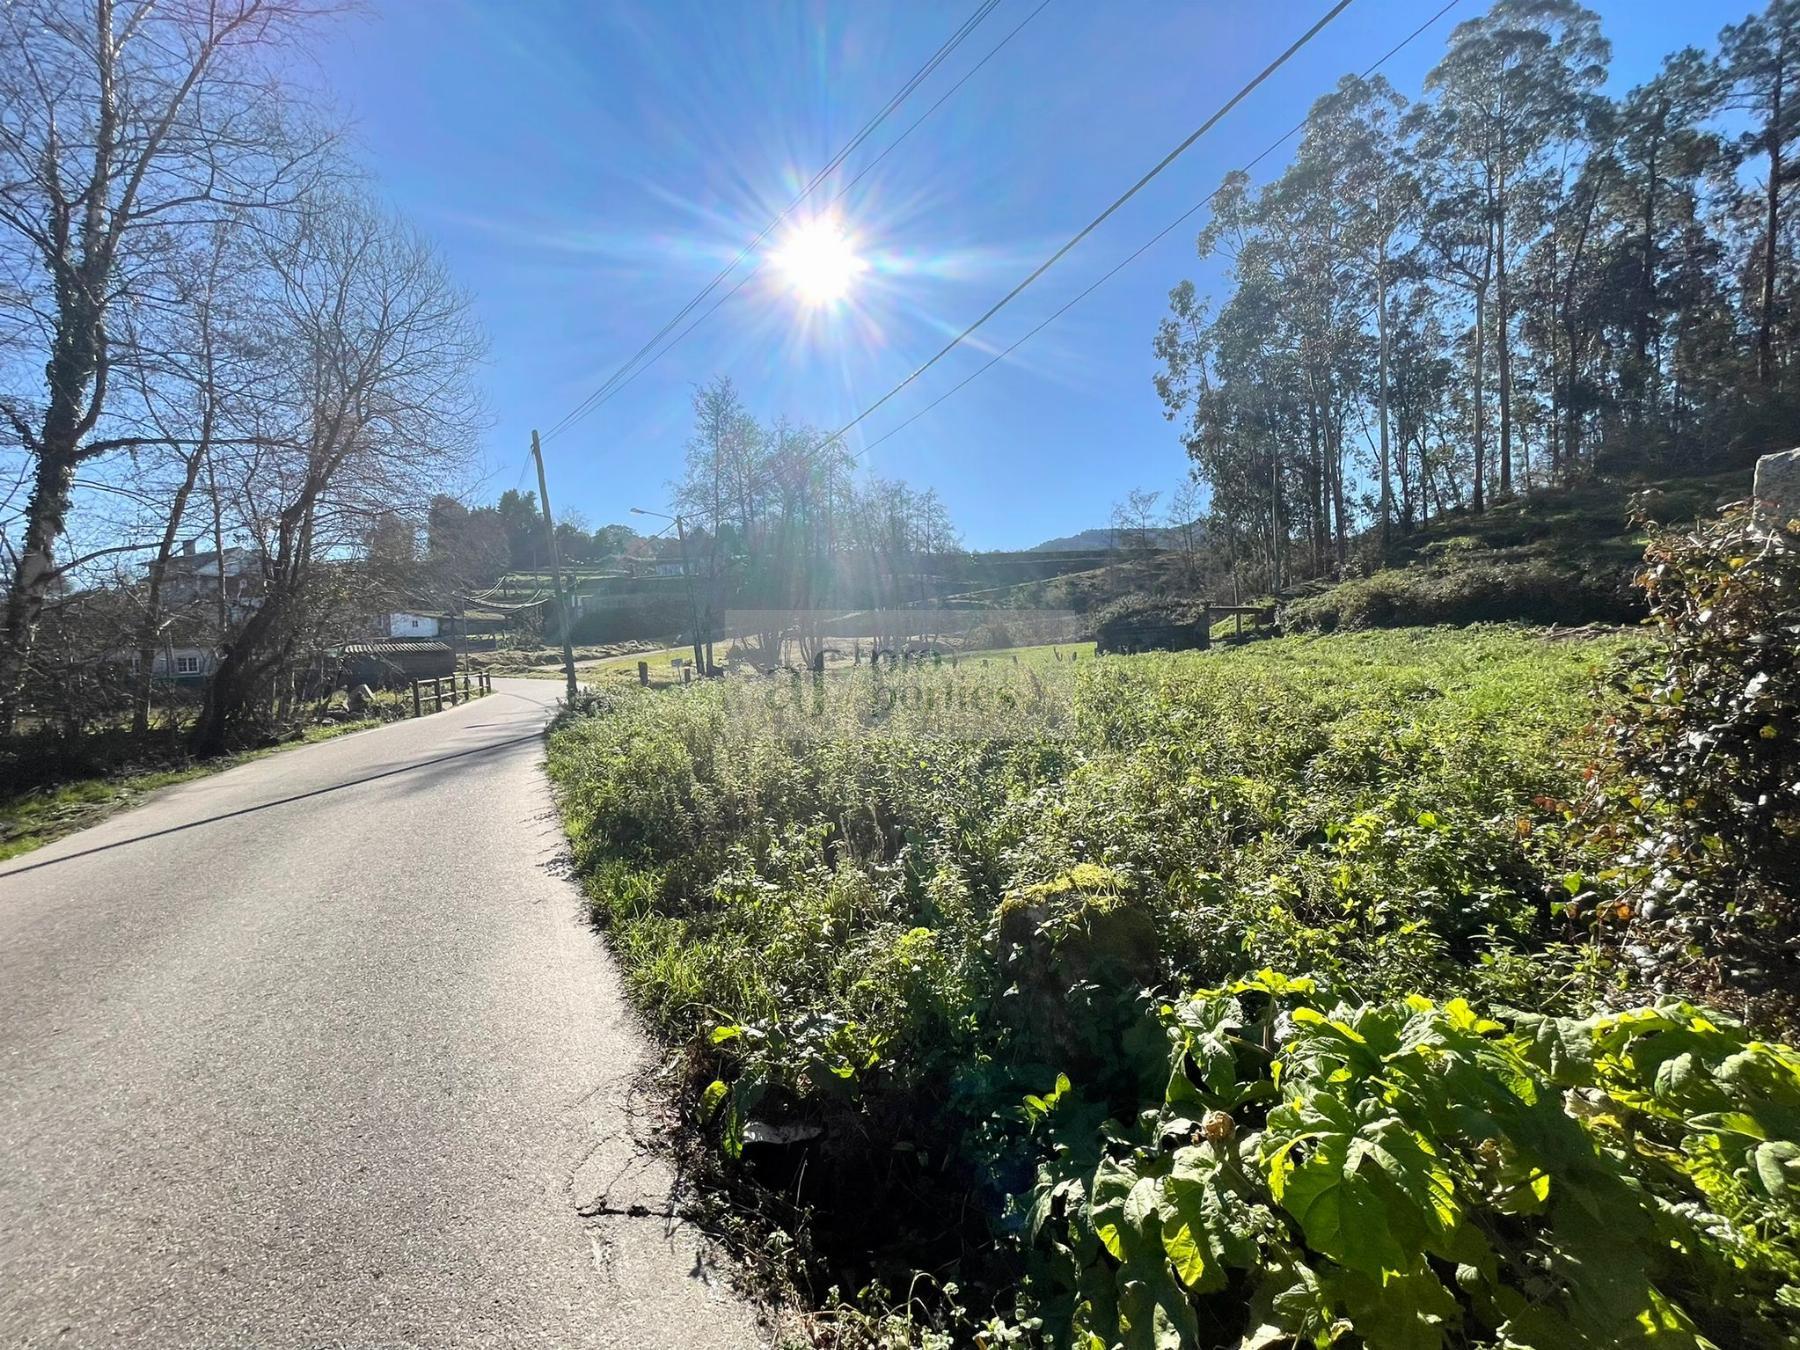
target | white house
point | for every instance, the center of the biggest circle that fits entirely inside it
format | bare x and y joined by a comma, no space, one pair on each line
179,664
401,624
192,576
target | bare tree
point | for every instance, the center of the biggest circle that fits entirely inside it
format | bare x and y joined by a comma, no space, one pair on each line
118,131
189,372
1184,524
370,349
1134,521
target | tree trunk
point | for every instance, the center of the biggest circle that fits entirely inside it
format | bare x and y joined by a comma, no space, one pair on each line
33,577
1335,440
1480,396
1555,354
1640,335
152,623
1503,343
233,684
1765,351
1381,392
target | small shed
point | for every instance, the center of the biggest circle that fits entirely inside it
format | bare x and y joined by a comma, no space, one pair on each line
1144,624
389,665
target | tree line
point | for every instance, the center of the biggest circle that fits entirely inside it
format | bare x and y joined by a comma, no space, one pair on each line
209,332
789,533
1512,281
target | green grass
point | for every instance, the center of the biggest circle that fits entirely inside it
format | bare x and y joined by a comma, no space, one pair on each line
891,904
1236,764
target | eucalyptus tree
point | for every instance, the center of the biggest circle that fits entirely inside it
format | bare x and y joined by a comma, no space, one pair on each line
1380,205
1420,377
1231,385
1665,152
119,130
1513,81
1292,259
1759,60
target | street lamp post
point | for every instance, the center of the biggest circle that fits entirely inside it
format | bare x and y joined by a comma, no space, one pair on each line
687,576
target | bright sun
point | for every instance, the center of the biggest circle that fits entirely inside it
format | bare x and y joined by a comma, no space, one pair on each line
819,261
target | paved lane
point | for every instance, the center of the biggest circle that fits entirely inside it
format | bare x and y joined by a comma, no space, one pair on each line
318,1052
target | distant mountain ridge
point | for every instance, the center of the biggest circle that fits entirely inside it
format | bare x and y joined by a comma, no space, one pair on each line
1087,541
1100,540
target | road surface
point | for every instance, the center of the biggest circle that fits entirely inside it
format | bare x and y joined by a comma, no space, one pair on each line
318,1052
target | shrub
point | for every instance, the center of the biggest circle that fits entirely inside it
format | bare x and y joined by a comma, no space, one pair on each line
1137,623
1698,796
1415,1174
1470,586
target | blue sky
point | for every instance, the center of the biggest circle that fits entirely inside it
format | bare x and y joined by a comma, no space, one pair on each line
586,167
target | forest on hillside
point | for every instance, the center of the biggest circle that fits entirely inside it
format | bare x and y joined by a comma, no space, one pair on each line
1510,280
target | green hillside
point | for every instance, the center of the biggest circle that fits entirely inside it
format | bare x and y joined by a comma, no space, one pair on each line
1564,556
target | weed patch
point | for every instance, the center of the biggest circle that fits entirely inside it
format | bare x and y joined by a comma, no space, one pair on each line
924,939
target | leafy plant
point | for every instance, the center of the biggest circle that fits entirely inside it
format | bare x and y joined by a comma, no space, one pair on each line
1414,1174
1698,795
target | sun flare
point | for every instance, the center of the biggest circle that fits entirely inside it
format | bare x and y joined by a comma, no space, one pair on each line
819,261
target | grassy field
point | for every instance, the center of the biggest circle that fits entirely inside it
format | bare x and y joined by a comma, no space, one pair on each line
1024,1001
1100,762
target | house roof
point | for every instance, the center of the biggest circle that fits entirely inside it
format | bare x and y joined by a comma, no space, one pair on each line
396,648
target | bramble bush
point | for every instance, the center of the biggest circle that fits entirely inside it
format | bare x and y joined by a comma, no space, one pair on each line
1697,794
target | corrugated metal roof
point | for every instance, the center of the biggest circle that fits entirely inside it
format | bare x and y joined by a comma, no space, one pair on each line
392,648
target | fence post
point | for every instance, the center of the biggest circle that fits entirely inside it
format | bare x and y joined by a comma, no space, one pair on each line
437,693
687,674
643,672
1206,626
415,685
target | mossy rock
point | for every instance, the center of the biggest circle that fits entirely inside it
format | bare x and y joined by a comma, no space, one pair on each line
1073,953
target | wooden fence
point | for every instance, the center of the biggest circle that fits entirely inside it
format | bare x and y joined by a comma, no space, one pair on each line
440,688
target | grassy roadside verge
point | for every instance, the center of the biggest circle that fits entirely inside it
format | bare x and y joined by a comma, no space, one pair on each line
29,820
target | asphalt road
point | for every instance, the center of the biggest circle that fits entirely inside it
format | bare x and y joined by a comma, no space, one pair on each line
318,1052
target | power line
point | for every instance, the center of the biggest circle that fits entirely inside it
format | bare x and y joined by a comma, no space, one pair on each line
1096,222
1143,248
674,342
950,44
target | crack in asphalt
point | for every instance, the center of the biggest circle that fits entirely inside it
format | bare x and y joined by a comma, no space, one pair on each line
601,1209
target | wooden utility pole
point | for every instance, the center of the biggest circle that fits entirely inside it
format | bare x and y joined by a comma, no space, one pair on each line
562,603
688,579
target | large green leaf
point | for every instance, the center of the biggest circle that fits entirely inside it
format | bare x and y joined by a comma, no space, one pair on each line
1403,1310
1107,1194
1207,1223
1366,1190
1154,1312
